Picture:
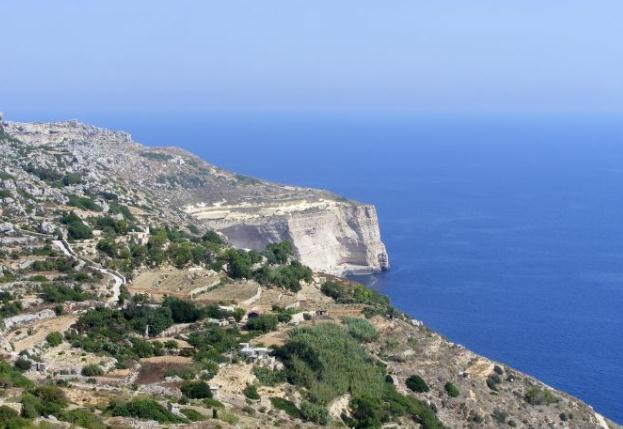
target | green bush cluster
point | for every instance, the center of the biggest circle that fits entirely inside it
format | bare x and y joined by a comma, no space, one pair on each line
83,418
92,370
9,305
71,179
196,389
84,203
251,392
43,400
76,229
193,415
10,419
289,407
279,253
416,384
451,390
262,323
361,329
269,377
329,362
61,263
211,343
12,377
540,396
59,293
355,293
146,409
285,276
54,339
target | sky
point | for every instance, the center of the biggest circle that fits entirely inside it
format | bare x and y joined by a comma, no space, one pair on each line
488,56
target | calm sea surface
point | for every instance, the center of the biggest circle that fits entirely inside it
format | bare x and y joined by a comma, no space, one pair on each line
504,235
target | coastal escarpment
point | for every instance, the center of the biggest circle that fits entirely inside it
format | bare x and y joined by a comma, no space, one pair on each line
335,237
329,233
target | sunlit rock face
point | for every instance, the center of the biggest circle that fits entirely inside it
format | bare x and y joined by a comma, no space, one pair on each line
329,236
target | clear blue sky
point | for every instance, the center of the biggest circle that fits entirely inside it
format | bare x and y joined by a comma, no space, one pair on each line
449,56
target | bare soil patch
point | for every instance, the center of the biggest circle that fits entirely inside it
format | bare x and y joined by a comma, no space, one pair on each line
174,282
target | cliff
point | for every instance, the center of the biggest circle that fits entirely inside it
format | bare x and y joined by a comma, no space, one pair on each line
336,237
330,234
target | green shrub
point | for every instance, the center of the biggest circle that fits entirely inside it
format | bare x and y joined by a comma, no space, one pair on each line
71,179
452,390
367,411
361,329
43,400
285,276
540,396
212,237
59,293
262,323
12,377
146,409
354,293
196,389
108,246
417,384
316,413
269,377
182,311
9,419
92,371
83,418
212,403
54,339
288,406
493,381
76,229
193,415
278,253
84,203
23,364
251,392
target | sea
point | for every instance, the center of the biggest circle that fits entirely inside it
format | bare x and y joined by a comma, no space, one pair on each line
504,232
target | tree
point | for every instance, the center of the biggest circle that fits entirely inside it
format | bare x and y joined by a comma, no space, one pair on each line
196,390
182,311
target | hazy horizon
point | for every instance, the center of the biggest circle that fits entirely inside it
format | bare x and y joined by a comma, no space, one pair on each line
481,57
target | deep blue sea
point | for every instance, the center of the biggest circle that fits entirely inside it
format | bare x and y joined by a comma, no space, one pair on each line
504,234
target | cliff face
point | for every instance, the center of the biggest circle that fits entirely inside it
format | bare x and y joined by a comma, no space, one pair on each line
330,234
339,238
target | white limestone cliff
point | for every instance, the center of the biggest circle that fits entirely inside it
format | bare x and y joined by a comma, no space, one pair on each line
335,237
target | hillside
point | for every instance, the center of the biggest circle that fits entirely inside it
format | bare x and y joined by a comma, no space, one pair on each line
127,302
58,161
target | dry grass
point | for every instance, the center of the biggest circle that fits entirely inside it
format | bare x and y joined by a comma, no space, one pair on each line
173,282
40,330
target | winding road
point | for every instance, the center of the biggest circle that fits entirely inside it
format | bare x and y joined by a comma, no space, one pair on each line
65,247
119,280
